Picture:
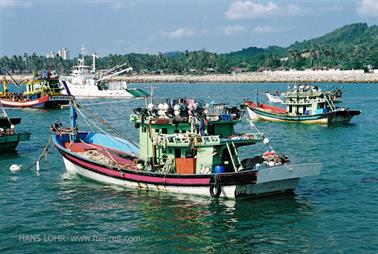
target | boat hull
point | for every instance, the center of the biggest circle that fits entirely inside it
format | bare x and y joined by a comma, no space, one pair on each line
338,116
9,143
265,181
44,102
92,91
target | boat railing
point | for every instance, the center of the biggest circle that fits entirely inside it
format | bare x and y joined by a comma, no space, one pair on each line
186,140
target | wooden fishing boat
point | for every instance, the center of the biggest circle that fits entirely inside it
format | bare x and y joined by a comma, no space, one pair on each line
9,138
184,149
43,91
276,114
303,106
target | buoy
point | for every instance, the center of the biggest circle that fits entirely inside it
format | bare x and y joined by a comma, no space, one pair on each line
37,166
266,141
15,167
151,107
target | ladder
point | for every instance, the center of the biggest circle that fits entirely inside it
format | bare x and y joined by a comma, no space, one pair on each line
231,156
330,102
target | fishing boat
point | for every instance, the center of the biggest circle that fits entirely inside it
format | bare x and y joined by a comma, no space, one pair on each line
184,147
43,91
9,137
305,90
86,82
302,106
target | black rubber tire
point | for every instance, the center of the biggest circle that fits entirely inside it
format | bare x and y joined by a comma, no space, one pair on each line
217,192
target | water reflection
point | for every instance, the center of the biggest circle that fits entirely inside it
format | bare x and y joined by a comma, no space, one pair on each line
175,221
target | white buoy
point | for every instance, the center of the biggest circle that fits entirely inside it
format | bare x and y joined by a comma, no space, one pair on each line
160,106
266,141
151,107
15,167
177,113
37,166
176,107
165,106
12,126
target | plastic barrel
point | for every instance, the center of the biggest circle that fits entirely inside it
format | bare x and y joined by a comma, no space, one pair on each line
219,169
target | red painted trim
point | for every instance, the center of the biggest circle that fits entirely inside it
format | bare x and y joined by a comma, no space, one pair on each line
261,106
25,104
140,178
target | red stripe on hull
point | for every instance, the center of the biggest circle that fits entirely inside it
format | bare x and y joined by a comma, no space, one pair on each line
32,103
140,178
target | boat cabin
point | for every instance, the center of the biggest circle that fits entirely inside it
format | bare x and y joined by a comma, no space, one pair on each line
187,137
307,100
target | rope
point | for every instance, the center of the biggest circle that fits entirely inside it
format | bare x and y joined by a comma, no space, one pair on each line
253,126
42,156
106,150
107,124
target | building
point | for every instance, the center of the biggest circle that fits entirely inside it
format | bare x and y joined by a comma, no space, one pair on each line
51,54
64,54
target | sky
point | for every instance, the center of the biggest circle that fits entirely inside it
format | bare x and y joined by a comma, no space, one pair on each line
152,26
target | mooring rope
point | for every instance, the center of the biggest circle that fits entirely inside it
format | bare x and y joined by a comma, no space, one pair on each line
42,156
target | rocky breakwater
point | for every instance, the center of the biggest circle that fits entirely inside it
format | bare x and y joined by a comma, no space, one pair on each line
249,77
254,77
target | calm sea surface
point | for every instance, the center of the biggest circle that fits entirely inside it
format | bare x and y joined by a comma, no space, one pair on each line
336,212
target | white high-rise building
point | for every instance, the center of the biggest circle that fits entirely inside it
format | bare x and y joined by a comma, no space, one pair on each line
64,54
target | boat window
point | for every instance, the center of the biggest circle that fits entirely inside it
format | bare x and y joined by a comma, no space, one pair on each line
178,153
144,129
177,131
164,130
183,131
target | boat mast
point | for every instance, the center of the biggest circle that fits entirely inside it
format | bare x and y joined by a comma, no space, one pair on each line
73,116
94,56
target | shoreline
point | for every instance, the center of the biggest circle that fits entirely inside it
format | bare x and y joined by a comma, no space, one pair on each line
252,77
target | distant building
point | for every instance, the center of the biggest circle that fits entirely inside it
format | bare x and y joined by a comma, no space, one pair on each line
51,54
64,54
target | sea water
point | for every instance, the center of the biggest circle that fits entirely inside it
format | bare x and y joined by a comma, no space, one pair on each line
336,212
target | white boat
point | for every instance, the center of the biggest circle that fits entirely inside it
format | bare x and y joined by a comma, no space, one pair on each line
85,82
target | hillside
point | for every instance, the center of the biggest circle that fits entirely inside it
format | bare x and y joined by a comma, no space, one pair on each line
352,46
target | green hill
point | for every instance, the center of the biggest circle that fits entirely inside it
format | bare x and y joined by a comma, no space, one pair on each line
352,46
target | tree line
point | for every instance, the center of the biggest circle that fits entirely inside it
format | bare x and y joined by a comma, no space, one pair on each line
353,46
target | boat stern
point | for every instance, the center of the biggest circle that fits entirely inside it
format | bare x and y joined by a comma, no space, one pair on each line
273,180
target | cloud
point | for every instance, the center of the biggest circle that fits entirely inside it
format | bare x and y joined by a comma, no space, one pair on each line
263,29
249,9
115,5
229,30
179,33
368,8
12,4
252,10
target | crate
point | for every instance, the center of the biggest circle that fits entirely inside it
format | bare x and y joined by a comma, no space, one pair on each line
185,166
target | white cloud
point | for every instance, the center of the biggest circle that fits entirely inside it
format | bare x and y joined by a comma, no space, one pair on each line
249,9
115,5
263,29
252,10
11,4
229,30
179,33
368,8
